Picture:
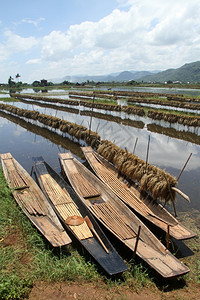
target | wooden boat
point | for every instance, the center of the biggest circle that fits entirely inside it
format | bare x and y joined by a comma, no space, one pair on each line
119,219
33,202
72,213
145,207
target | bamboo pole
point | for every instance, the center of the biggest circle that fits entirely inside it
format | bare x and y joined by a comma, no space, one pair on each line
97,127
135,145
184,166
137,240
147,155
90,225
168,236
169,187
31,171
91,114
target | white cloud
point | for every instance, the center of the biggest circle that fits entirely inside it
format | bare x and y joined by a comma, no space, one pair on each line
138,35
148,35
55,46
32,21
14,44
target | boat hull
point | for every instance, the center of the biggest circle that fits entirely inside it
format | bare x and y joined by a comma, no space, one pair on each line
110,262
119,219
33,202
145,207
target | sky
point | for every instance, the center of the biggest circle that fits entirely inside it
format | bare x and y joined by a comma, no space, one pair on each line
43,39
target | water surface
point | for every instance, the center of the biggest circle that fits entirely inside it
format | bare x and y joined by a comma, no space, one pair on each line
25,140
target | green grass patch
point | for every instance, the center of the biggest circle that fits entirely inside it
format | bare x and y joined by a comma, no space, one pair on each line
26,257
9,99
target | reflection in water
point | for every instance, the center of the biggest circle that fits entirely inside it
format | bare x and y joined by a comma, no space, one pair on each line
137,124
124,136
52,106
4,95
55,138
129,122
191,92
167,107
176,91
172,132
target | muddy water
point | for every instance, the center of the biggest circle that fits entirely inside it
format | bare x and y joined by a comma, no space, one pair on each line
25,140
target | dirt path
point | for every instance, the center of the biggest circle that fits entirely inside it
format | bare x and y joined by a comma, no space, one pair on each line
44,291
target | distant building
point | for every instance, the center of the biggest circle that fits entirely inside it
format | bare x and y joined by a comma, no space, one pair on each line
177,82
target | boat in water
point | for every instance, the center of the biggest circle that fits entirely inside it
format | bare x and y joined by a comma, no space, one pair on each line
32,201
146,207
119,219
77,219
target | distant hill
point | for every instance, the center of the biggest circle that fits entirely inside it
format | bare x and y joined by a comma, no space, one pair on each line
189,72
127,75
118,77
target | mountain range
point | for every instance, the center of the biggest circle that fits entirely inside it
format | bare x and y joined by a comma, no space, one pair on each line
189,72
114,77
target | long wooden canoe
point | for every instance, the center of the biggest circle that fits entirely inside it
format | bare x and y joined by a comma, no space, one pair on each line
68,206
145,207
119,219
33,202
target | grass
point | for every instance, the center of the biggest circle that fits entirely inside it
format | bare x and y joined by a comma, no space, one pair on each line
25,257
192,221
8,99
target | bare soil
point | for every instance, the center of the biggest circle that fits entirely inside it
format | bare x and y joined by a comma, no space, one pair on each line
45,291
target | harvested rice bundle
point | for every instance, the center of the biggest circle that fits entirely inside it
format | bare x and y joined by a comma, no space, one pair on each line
128,167
102,145
78,130
109,153
64,127
144,181
151,179
63,124
94,140
77,133
55,122
139,172
160,185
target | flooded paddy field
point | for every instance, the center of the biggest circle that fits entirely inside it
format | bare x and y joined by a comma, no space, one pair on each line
170,144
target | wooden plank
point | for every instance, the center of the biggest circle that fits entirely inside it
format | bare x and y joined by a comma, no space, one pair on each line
33,202
64,204
115,184
85,188
110,216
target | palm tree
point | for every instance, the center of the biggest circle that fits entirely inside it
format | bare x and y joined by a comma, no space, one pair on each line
10,81
17,76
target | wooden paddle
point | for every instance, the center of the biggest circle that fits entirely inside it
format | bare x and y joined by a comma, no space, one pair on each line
90,225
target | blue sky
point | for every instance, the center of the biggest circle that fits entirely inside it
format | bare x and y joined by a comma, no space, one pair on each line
52,39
